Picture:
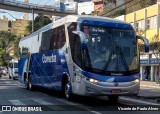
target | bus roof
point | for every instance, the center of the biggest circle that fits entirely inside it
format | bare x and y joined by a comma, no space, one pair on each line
105,21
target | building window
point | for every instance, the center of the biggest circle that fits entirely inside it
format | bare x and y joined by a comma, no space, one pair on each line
140,25
151,22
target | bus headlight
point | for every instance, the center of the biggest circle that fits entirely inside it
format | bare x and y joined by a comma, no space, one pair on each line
136,80
92,80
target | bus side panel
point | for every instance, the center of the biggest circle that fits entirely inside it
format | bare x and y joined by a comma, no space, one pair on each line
47,69
22,67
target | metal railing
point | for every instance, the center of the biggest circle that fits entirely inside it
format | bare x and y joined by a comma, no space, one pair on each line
31,5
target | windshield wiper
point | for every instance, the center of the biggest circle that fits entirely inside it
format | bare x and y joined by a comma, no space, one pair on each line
123,59
117,52
109,60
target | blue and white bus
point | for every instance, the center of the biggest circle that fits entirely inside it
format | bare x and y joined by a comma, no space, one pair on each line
83,55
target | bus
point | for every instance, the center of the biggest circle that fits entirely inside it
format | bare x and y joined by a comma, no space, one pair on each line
82,55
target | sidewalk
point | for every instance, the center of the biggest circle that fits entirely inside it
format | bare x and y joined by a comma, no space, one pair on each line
149,84
149,90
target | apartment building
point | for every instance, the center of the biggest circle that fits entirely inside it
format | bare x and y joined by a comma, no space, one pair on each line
18,27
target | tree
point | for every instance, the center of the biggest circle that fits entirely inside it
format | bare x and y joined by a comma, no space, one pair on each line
39,22
6,42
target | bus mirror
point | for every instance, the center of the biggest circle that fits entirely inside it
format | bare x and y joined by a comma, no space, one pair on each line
146,43
82,37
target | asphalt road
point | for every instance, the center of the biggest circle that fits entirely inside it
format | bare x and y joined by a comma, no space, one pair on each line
16,97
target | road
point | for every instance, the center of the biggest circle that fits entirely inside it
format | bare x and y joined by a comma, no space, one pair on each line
12,93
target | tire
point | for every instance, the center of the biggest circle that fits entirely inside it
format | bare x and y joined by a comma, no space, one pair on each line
67,91
30,86
26,84
9,77
113,98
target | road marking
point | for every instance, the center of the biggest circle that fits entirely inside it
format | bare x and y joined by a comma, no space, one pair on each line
48,104
138,101
79,106
16,102
43,102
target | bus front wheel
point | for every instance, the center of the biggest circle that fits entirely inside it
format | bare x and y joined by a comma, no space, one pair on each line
113,98
67,91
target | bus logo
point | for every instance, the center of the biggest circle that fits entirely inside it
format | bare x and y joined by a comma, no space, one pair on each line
48,59
115,84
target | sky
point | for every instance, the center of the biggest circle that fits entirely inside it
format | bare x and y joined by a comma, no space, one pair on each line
18,15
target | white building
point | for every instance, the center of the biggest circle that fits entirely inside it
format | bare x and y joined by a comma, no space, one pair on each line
85,7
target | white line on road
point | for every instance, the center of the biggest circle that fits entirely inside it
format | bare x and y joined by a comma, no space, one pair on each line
43,102
138,101
48,104
16,102
79,105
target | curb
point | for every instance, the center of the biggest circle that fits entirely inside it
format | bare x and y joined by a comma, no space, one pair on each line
149,86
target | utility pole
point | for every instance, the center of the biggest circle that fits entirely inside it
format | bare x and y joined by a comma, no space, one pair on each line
33,20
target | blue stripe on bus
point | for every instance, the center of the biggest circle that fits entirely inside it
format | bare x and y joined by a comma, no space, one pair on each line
48,72
108,24
111,78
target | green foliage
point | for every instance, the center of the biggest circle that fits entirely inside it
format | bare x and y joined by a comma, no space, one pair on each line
6,42
39,22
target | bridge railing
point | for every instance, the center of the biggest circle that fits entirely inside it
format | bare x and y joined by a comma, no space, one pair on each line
32,5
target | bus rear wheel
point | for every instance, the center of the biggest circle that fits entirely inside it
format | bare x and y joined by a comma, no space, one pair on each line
26,84
30,86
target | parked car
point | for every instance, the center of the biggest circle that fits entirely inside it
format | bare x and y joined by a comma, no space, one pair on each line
3,71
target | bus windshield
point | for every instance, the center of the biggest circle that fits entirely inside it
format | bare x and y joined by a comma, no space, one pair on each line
110,49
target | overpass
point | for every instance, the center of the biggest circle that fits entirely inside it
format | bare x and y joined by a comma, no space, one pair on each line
32,8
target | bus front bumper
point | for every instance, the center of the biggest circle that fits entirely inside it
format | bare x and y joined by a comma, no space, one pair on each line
111,88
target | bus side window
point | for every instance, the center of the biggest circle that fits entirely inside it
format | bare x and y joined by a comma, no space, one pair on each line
77,57
72,27
61,39
53,42
46,37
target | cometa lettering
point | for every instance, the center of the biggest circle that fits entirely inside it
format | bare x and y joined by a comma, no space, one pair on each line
48,59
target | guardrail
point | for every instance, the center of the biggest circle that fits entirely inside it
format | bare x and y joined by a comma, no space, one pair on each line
28,5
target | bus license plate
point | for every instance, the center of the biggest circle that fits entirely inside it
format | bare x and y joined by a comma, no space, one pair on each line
115,91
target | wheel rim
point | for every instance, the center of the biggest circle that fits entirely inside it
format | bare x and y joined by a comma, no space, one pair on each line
30,85
67,88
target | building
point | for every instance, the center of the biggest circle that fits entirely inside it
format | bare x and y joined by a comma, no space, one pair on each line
134,5
147,23
85,8
18,27
4,23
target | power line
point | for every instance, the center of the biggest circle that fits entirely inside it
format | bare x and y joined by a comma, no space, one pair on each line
47,2
12,17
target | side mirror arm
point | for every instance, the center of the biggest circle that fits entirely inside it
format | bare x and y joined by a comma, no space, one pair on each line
146,43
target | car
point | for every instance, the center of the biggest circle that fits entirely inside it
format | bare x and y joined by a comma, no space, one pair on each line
3,71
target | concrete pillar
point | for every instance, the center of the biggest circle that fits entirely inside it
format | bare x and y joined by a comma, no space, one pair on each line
134,20
152,73
155,72
157,27
32,20
145,21
141,72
